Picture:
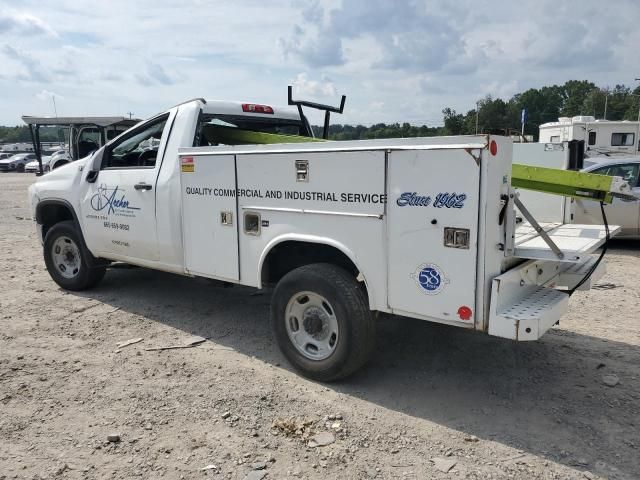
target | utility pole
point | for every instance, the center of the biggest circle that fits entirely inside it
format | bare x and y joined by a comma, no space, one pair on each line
477,113
130,115
638,139
55,110
606,100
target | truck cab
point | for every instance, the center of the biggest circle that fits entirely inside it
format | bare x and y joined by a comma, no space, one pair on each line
130,187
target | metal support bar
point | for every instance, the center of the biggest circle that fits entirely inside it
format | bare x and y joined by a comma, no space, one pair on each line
537,227
35,139
325,130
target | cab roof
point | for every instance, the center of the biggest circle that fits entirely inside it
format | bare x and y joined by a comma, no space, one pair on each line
67,121
222,107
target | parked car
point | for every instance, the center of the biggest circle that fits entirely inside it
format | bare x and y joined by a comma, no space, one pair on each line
621,212
5,155
16,163
33,166
55,157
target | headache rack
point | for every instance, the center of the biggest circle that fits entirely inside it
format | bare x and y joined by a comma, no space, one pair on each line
318,106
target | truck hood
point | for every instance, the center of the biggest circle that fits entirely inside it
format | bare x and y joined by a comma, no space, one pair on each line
61,178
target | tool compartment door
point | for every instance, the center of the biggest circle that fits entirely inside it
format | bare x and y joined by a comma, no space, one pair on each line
430,191
210,216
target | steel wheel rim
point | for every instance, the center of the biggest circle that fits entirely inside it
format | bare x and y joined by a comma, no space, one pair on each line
66,257
312,325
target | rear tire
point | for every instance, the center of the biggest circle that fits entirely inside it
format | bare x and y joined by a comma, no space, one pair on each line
68,260
322,323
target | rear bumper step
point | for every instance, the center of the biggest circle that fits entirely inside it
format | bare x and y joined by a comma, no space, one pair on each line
531,316
529,299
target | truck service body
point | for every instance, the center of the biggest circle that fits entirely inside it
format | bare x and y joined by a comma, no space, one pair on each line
420,227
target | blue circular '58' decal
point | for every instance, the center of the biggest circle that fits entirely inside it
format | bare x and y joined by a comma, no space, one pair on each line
429,279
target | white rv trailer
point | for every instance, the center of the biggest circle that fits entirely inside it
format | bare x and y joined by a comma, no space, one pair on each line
601,137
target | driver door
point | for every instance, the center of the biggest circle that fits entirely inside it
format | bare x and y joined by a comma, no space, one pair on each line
119,208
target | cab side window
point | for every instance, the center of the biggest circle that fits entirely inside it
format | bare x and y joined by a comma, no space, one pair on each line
138,149
629,172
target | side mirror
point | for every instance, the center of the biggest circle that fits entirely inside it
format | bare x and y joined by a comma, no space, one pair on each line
95,164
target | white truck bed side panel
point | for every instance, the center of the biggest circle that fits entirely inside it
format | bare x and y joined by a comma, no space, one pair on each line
340,203
210,241
430,191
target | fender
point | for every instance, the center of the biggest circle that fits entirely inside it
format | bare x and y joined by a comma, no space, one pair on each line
313,239
60,202
63,203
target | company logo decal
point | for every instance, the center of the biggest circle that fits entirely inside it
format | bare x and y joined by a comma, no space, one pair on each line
113,201
430,278
441,200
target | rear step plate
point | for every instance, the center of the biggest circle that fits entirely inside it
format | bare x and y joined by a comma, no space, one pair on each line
530,316
575,241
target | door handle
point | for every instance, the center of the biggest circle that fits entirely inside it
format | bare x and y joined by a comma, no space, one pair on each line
142,186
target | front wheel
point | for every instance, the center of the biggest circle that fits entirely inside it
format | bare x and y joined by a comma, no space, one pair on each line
68,261
322,322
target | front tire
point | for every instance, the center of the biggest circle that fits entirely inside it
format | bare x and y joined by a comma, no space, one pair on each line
68,261
321,319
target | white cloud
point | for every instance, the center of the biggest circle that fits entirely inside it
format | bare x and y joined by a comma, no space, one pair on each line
396,61
31,69
302,85
24,23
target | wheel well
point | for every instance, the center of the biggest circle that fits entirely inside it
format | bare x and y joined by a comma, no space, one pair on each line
289,255
50,214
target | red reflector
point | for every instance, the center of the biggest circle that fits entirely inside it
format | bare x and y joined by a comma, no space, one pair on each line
254,108
464,313
493,147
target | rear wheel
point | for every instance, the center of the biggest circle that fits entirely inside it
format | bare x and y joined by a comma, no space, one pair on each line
68,261
322,322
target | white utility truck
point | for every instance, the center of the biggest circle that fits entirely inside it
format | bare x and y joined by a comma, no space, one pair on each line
420,227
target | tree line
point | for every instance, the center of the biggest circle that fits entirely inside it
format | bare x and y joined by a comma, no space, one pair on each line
21,134
545,104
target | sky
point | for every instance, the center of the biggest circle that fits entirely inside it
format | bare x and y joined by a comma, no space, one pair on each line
396,61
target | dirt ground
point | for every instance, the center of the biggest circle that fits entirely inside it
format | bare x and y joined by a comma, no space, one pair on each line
432,399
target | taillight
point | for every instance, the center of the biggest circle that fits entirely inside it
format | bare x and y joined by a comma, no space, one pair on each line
255,108
464,313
